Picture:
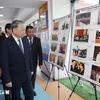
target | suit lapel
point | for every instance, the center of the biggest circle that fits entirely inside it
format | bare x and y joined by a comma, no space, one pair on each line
15,45
25,47
33,41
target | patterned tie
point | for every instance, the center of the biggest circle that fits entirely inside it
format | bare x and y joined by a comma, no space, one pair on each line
20,46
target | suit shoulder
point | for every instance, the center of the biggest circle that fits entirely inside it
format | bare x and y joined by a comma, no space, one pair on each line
6,40
38,39
25,38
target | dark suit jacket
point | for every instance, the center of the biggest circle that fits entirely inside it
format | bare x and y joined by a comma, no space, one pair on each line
36,51
16,66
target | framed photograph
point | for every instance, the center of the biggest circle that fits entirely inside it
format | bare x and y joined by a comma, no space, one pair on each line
95,73
54,46
56,26
52,58
62,48
54,37
97,39
96,56
83,19
81,35
80,51
77,67
60,61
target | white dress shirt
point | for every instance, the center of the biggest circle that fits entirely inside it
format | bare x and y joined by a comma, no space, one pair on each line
6,35
29,39
16,39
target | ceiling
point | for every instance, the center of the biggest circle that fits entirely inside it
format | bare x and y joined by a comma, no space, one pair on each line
18,9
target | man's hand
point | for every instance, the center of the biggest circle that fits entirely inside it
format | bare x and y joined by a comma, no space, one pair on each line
32,73
9,84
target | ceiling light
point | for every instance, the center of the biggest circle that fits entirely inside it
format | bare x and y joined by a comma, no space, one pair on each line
1,15
1,7
92,1
42,16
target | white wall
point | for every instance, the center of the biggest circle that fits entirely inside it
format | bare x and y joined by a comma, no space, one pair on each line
60,8
32,19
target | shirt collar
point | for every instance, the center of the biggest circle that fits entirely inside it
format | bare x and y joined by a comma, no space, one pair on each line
29,38
15,38
6,35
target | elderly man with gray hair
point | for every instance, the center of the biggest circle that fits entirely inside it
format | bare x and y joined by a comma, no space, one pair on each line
16,63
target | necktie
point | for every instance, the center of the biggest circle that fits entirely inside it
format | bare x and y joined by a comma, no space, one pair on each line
20,46
30,42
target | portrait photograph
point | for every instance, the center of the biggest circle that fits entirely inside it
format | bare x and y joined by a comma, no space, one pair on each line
62,48
77,67
95,73
97,39
52,58
56,26
54,46
96,56
60,61
54,37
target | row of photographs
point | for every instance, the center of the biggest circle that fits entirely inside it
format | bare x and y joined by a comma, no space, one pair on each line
85,18
54,57
61,24
79,68
57,37
82,35
81,52
62,48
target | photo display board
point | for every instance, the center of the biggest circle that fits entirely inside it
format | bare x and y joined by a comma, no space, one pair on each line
85,48
43,30
59,40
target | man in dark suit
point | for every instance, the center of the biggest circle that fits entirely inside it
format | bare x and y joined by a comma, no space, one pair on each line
16,62
36,50
8,31
2,37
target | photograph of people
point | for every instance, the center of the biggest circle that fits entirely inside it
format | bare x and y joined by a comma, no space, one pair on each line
65,25
96,56
83,19
53,47
52,57
62,48
80,51
97,40
73,66
60,61
81,35
95,73
56,26
54,37
81,68
77,67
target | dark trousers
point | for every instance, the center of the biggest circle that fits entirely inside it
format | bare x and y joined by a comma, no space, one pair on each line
27,90
7,96
33,79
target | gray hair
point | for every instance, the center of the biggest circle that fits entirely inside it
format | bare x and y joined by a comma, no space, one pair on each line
15,23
